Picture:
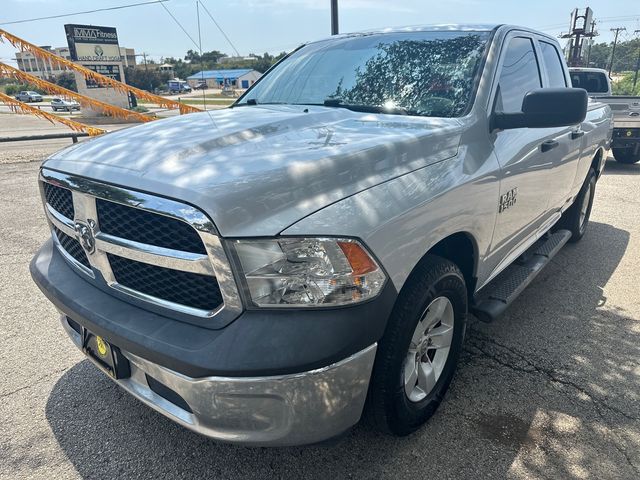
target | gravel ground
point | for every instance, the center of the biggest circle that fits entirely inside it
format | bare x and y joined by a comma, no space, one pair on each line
550,390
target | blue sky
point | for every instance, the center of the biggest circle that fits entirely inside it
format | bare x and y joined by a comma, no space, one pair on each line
275,25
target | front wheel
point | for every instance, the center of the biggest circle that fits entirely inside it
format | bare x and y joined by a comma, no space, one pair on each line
419,352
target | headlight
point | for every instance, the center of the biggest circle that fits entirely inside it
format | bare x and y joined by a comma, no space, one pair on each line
308,271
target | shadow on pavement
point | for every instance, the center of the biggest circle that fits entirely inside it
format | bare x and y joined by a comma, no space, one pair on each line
616,168
536,394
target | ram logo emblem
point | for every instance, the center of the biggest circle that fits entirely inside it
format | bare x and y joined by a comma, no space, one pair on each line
85,236
508,200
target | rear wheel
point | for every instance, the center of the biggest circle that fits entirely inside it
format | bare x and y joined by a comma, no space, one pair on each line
419,352
576,218
625,156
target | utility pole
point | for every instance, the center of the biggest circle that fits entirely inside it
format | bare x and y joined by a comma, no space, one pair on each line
615,42
635,77
334,17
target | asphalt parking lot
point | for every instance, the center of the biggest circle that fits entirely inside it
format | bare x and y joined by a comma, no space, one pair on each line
551,390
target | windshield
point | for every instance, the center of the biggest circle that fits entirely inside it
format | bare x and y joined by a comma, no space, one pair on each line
592,82
419,73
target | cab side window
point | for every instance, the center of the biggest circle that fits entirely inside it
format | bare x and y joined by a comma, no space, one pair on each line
520,74
553,65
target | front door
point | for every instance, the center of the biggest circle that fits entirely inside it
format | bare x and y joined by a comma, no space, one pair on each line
525,155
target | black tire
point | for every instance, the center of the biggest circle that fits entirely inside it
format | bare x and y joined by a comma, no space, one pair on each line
388,405
625,156
572,218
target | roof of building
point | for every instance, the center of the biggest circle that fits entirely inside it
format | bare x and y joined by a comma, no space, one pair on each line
222,74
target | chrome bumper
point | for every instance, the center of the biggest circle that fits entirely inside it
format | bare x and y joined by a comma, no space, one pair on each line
294,409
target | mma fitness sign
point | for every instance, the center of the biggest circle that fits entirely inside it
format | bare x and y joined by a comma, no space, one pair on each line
90,43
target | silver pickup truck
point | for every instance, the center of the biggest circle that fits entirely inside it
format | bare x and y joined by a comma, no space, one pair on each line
265,273
625,108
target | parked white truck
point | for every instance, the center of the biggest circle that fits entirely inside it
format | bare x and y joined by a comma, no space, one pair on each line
625,108
264,273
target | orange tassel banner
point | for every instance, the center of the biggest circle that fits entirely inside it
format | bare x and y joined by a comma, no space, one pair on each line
20,107
42,54
112,111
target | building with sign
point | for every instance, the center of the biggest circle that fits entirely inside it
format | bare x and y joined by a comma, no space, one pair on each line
237,78
27,62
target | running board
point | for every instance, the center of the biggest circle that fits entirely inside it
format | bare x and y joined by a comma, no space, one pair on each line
496,297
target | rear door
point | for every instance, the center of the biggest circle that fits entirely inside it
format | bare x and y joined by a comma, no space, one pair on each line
525,162
568,140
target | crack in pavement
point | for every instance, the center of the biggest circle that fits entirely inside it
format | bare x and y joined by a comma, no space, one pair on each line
479,342
34,383
536,368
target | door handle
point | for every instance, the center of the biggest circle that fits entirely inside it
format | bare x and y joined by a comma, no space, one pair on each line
576,134
548,145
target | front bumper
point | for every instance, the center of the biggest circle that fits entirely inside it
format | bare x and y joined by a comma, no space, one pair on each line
283,410
267,378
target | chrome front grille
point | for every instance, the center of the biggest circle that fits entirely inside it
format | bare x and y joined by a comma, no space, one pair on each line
72,247
146,227
185,288
60,199
161,254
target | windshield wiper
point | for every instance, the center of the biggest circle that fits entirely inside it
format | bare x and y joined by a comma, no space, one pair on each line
337,102
253,101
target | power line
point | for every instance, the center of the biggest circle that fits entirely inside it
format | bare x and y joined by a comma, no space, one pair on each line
621,19
82,13
599,19
220,28
180,25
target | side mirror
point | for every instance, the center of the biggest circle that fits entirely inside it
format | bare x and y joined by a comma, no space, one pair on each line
546,107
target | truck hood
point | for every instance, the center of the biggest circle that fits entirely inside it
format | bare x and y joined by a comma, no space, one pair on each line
255,170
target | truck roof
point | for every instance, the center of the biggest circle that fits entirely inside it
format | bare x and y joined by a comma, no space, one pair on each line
453,27
590,70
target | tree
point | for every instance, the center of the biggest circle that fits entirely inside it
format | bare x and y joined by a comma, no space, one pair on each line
207,60
625,59
13,88
66,80
145,78
625,86
429,76
215,60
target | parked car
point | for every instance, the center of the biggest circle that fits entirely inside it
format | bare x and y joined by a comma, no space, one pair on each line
178,86
59,104
201,86
256,273
626,111
29,96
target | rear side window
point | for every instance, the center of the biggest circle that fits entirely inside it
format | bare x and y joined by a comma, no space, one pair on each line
592,82
520,74
553,65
